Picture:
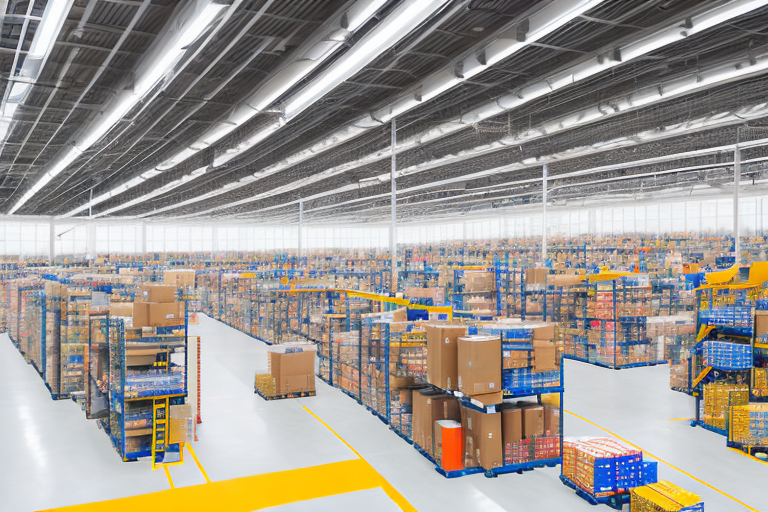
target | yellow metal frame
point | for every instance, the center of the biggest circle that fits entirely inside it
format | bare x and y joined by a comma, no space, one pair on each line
377,297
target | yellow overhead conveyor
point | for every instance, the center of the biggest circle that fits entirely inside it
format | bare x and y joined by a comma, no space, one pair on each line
376,297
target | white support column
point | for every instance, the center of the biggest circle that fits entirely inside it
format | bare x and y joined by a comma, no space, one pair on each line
52,242
90,239
301,226
736,185
544,216
393,203
144,238
215,239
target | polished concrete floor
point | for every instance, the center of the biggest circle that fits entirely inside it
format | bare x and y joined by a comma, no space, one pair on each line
51,456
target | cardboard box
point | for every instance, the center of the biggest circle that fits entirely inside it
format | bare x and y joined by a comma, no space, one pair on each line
564,280
479,282
182,278
164,314
293,372
511,425
544,356
121,309
482,439
428,407
761,323
536,276
400,315
544,332
551,419
487,399
401,382
140,314
181,426
516,359
156,293
533,420
442,355
479,364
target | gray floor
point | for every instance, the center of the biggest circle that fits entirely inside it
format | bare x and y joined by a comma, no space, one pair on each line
51,456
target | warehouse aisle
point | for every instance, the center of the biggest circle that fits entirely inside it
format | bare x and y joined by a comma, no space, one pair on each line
245,440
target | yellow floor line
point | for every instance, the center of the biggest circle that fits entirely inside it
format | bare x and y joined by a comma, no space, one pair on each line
663,461
393,494
168,474
252,492
197,461
681,419
748,455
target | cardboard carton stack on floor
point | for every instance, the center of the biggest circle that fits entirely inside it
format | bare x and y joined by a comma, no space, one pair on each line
664,497
291,370
603,466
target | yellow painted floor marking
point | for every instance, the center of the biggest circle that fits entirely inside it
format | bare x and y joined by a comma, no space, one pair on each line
662,461
393,494
168,474
197,461
681,419
748,455
251,492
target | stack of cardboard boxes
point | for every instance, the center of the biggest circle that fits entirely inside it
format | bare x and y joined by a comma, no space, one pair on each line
291,370
156,306
472,365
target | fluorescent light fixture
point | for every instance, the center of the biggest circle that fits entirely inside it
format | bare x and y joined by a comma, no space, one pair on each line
150,72
276,86
53,18
393,28
723,13
162,190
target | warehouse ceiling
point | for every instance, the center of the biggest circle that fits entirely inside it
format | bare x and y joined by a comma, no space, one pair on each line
248,108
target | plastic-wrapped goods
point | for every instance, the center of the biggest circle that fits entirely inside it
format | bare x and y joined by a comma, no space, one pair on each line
726,355
749,424
602,466
718,397
664,497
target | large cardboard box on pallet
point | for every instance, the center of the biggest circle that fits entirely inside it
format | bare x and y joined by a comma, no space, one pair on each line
430,406
182,278
442,355
293,367
165,314
479,364
156,293
482,439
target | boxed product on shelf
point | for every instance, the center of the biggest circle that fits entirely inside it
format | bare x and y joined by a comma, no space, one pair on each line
718,398
759,387
664,496
430,406
479,364
442,354
482,439
749,424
